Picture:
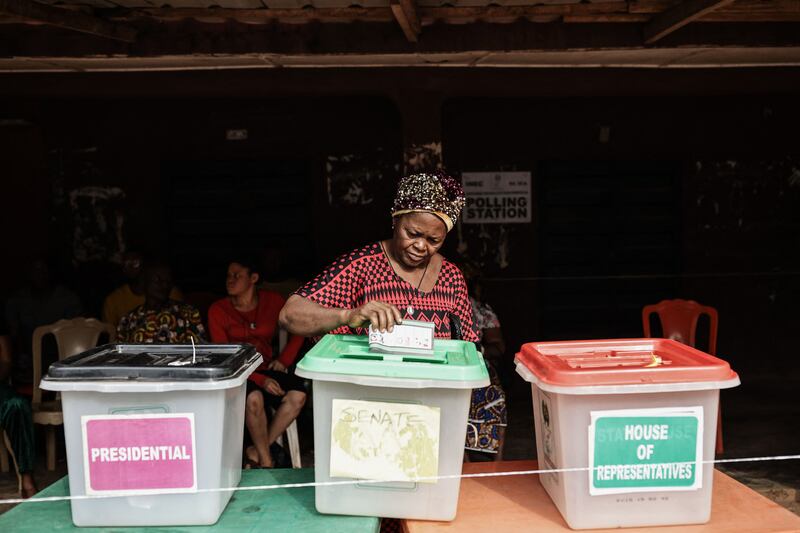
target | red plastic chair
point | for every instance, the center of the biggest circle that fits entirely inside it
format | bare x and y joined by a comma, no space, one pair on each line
679,322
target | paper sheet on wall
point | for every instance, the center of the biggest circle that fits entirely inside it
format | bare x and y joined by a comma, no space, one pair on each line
384,441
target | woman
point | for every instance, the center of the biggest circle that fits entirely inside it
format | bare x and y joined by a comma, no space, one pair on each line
403,277
249,315
160,320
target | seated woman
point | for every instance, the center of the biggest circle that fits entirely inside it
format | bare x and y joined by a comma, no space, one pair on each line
249,315
160,320
16,421
488,417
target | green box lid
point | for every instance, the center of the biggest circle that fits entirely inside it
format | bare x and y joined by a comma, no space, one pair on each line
346,358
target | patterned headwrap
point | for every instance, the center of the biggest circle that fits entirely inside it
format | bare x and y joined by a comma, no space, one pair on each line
436,193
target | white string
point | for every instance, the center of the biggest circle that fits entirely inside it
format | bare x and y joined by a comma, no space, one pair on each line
310,484
191,338
687,275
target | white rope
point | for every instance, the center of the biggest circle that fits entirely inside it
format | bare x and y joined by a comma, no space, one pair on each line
685,275
310,484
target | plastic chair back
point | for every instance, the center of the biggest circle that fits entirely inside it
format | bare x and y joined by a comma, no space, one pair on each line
679,321
72,337
291,432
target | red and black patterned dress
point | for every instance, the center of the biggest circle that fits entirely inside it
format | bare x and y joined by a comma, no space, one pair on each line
365,274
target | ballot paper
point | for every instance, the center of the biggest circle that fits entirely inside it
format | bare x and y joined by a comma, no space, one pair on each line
411,337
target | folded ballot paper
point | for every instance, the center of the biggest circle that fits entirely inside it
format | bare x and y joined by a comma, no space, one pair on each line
409,338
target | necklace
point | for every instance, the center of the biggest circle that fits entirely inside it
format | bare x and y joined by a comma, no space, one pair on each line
411,295
254,323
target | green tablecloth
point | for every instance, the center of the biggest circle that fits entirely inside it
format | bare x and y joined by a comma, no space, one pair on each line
275,510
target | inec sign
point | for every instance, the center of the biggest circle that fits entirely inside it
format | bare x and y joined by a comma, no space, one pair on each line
497,197
646,450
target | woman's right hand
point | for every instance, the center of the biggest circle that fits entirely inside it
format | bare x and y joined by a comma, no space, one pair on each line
272,387
381,315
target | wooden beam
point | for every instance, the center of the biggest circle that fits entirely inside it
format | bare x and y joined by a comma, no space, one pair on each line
189,37
488,13
679,16
420,15
65,18
638,11
740,6
405,12
751,17
287,15
611,17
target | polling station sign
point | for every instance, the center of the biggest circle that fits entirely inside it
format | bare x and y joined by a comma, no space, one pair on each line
645,450
139,454
497,197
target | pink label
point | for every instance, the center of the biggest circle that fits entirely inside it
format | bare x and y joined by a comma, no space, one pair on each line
139,453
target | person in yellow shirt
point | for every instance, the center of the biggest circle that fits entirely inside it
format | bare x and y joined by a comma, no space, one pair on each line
130,295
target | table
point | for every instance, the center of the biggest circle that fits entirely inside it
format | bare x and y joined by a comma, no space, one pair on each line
520,503
252,510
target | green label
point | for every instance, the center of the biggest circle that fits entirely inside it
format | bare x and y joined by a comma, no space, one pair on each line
645,450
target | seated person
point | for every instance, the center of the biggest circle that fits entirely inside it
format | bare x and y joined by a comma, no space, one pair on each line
129,295
41,302
488,417
160,320
16,420
249,315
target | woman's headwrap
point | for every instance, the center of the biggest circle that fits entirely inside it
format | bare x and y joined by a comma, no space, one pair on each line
436,193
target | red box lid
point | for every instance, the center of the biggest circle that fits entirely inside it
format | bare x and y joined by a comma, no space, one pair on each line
621,362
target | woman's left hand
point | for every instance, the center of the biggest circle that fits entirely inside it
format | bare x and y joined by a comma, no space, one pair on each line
276,365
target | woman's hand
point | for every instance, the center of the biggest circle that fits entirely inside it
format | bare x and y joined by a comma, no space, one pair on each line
276,365
272,387
381,315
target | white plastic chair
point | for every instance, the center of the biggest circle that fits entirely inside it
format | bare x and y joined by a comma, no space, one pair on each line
72,337
291,432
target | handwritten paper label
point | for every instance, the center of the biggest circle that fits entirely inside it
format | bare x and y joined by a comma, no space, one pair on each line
139,454
384,441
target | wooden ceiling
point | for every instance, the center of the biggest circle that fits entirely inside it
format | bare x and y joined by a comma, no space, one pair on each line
155,28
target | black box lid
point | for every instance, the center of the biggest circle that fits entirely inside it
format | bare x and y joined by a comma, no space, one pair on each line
156,362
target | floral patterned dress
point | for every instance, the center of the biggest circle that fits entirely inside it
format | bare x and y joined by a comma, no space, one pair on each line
487,412
172,323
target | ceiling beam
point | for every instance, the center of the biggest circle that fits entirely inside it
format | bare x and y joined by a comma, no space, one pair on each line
417,15
65,18
405,12
601,18
190,37
640,11
679,16
280,15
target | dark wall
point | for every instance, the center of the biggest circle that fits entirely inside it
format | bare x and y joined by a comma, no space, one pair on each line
693,198
153,149
694,194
